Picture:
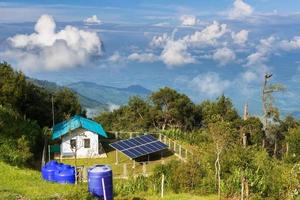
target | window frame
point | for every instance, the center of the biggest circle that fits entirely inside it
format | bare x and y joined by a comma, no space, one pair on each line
89,143
72,145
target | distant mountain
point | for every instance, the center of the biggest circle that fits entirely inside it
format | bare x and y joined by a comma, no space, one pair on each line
97,98
84,101
107,94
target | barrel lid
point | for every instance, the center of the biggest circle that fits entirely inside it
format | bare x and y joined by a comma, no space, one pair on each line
100,168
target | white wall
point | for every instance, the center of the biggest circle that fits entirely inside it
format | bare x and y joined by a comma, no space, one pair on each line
80,135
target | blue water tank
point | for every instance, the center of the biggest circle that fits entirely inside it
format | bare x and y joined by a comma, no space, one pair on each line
95,176
48,170
65,174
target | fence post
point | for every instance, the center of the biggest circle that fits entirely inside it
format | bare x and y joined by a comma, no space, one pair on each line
125,170
144,169
130,134
117,135
117,158
174,146
162,185
180,150
169,143
186,154
159,137
165,139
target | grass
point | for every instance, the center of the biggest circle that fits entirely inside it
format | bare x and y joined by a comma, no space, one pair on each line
18,182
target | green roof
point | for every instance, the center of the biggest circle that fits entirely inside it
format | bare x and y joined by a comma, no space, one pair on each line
74,123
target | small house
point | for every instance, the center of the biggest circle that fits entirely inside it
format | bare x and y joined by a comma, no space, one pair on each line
79,136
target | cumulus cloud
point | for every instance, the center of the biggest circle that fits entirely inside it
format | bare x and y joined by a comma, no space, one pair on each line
143,57
210,84
263,51
290,44
240,37
249,76
207,36
240,10
115,58
189,20
159,41
175,53
47,49
93,20
224,55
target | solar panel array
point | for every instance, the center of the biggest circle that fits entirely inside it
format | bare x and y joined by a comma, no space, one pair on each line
139,146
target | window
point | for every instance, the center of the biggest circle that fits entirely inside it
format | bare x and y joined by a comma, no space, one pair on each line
87,143
73,143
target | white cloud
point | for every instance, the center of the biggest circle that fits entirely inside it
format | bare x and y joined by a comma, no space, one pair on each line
143,57
224,55
189,20
240,10
93,20
207,36
47,49
159,41
249,76
116,58
263,51
240,37
112,107
175,53
290,44
210,84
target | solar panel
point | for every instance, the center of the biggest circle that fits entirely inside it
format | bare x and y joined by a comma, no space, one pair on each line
139,146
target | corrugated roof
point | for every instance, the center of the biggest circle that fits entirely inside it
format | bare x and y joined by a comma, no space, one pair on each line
74,123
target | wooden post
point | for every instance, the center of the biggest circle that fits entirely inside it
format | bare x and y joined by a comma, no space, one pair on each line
180,150
117,158
133,164
165,139
117,135
186,154
125,170
169,143
104,192
174,146
148,156
162,185
159,137
144,169
130,134
49,153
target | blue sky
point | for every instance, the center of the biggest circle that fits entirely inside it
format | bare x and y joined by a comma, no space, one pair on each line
201,48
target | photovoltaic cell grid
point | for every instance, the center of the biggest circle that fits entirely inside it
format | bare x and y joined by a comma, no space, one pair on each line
139,146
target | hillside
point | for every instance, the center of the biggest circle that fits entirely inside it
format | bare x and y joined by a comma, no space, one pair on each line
96,98
107,94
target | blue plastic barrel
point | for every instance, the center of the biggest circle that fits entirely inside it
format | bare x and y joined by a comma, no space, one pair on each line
65,174
95,176
48,170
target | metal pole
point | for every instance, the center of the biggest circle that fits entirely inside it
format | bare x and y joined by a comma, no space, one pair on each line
48,152
52,101
104,192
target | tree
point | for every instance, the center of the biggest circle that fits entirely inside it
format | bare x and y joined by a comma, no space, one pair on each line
172,110
221,134
271,113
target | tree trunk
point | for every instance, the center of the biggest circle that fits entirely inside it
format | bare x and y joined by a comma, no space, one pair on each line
242,187
244,140
219,176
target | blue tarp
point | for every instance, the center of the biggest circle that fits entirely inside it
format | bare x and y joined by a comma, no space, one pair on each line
74,123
